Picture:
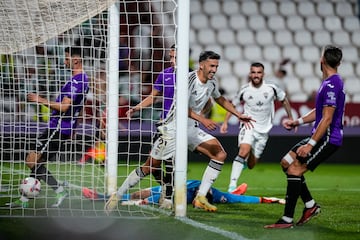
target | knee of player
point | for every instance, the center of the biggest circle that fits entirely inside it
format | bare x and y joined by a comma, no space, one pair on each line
222,155
292,170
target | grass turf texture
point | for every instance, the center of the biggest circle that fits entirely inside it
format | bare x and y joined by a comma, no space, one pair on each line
334,187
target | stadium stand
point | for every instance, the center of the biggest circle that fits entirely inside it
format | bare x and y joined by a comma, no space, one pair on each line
269,31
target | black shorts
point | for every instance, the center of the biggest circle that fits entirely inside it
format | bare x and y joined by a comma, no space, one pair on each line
50,142
320,152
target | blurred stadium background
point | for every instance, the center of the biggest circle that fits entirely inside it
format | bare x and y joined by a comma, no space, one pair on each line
240,31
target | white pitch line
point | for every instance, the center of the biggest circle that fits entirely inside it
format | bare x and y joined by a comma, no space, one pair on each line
230,235
312,189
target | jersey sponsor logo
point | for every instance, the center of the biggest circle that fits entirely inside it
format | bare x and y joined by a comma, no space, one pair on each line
167,79
331,86
259,103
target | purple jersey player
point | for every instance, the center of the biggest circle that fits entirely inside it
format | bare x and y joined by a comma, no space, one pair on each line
326,137
65,111
164,84
75,89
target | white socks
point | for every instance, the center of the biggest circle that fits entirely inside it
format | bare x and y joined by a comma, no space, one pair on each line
211,173
132,179
310,203
237,167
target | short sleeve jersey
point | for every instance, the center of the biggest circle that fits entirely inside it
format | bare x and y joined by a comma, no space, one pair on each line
259,103
76,89
165,83
199,93
331,93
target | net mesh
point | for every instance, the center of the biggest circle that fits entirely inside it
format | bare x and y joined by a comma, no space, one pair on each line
34,36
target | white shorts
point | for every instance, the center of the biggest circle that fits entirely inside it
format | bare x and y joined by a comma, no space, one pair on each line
196,135
164,146
163,149
255,139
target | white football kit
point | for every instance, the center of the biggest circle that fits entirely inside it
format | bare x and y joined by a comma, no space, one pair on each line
164,146
199,94
259,104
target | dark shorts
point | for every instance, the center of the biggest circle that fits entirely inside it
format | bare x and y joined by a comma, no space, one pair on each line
320,152
50,142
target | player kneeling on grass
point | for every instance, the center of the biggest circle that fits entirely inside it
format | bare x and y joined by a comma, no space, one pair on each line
152,195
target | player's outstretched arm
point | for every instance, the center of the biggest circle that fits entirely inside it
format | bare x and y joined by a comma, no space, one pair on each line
143,104
247,120
208,123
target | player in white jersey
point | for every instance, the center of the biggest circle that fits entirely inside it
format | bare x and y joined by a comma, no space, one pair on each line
202,86
258,98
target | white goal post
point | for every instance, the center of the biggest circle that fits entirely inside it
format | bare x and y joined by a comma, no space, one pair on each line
107,146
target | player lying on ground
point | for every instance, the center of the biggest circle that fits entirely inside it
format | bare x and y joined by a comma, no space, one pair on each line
152,195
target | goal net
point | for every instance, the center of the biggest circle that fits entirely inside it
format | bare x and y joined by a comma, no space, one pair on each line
34,36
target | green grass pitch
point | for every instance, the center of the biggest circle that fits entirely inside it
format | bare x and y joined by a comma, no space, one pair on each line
335,187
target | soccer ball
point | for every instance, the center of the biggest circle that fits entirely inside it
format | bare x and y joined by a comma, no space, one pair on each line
30,187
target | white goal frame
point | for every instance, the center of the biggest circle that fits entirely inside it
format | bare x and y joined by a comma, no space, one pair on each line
48,29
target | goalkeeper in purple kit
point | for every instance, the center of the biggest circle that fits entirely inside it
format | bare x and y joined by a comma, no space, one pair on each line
63,121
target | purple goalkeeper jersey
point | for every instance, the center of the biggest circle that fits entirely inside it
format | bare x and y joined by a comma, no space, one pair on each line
165,83
76,88
331,93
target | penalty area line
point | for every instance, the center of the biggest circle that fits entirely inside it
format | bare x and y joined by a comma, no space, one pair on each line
230,235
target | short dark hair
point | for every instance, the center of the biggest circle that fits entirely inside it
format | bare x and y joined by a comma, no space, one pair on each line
173,46
332,55
205,55
74,50
257,64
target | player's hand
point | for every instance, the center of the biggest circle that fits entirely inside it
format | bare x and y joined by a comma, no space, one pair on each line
32,97
129,113
247,120
209,124
304,150
224,127
290,124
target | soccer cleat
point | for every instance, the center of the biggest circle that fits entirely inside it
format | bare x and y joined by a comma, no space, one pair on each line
166,204
309,213
280,224
202,203
18,204
60,197
112,203
240,190
272,200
